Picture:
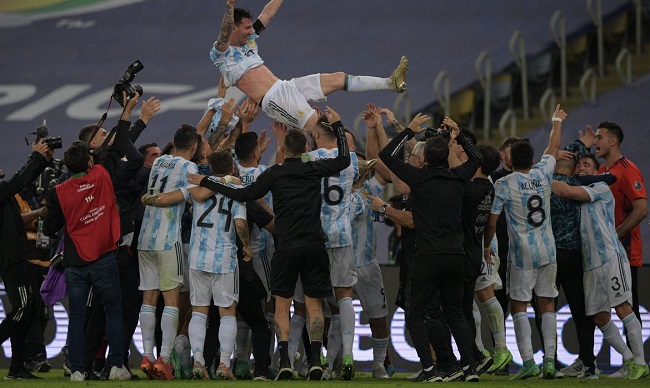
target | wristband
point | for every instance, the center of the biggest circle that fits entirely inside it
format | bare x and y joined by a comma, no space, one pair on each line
486,249
228,178
556,119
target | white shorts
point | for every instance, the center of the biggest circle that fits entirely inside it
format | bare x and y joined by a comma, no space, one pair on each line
286,101
489,275
607,286
522,282
299,293
161,270
262,266
223,288
342,269
186,268
370,289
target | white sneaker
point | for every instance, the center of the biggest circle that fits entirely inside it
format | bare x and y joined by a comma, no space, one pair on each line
414,376
77,376
620,374
379,371
575,369
119,373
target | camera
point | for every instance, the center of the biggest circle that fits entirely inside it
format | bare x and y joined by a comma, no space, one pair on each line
430,132
124,84
43,133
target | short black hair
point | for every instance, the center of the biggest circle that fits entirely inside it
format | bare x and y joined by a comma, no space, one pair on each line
168,149
86,133
436,151
145,147
295,141
507,142
240,13
245,145
592,157
76,157
325,128
185,137
614,129
490,161
522,154
199,148
221,162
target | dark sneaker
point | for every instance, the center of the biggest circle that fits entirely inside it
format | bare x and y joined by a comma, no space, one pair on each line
264,375
315,373
431,376
470,375
347,368
21,375
452,374
484,364
285,372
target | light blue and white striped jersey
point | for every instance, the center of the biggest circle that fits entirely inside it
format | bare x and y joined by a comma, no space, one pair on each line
237,60
213,245
598,236
526,199
161,226
259,238
335,213
364,239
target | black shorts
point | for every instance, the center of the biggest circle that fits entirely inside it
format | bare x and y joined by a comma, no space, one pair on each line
313,266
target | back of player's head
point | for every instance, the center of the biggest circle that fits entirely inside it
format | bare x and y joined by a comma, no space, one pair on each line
295,141
325,129
221,162
245,145
522,154
86,132
185,137
490,161
436,151
76,157
240,13
614,129
507,142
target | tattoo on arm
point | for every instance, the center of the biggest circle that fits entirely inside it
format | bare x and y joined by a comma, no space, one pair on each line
242,231
217,135
226,29
317,328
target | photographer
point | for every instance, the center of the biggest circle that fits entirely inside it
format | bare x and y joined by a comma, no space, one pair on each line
13,259
85,205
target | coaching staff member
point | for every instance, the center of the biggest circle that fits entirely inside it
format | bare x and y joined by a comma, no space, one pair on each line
437,268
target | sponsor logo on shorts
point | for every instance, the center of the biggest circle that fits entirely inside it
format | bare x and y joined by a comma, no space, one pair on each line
618,295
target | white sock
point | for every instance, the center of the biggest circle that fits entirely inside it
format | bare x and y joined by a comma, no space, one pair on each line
196,330
148,329
182,347
379,347
613,336
549,333
333,340
347,318
243,342
227,334
478,339
169,327
633,327
296,325
365,83
522,334
494,314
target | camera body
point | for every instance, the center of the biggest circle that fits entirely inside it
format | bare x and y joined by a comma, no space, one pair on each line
43,133
124,84
441,132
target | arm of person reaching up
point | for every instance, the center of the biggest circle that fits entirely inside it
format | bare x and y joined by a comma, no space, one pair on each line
376,140
474,157
227,25
247,113
33,167
556,132
206,120
227,111
329,167
279,130
149,108
267,14
388,154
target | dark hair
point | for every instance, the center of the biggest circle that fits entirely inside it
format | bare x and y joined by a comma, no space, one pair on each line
86,132
76,157
199,148
325,129
185,137
295,141
245,145
436,151
522,154
145,147
507,142
592,157
221,162
614,129
240,13
490,160
168,149
354,138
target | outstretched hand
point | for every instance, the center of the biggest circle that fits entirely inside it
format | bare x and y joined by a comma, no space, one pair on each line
332,116
416,123
587,138
559,113
149,109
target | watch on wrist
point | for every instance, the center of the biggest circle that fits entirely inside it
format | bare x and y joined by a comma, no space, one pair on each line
382,208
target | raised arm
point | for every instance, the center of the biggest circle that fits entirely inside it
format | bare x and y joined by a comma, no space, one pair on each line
269,11
388,154
556,132
328,167
227,25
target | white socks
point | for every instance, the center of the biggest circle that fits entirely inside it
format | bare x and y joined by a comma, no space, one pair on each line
227,334
333,340
347,317
169,327
296,325
494,314
196,330
613,336
549,333
523,333
379,347
148,328
633,327
364,83
478,338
